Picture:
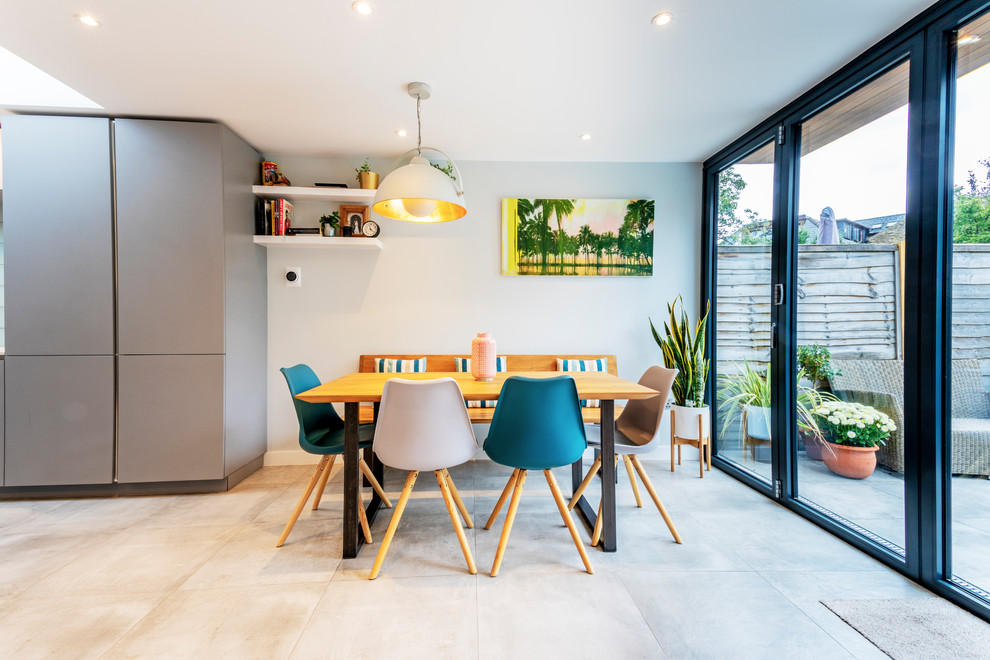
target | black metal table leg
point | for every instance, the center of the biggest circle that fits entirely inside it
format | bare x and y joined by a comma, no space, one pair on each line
608,475
352,538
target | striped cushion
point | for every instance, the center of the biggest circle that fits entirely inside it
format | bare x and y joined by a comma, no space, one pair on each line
601,364
464,365
386,366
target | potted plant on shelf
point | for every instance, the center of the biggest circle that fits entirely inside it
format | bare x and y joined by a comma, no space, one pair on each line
853,433
365,177
330,224
686,353
747,395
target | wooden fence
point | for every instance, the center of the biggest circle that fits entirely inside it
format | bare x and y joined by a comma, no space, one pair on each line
849,298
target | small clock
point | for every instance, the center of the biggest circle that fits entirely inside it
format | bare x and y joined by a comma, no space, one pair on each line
370,229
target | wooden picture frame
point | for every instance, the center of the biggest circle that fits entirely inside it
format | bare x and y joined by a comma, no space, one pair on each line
353,217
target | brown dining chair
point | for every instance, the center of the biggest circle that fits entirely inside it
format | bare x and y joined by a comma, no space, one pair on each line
636,432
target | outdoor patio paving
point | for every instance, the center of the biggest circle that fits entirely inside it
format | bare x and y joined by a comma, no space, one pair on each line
877,505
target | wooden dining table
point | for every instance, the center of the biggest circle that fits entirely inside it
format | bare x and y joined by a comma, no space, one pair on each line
354,389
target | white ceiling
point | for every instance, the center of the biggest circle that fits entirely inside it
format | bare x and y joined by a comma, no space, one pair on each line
512,79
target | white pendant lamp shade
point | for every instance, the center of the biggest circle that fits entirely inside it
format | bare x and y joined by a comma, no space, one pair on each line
418,192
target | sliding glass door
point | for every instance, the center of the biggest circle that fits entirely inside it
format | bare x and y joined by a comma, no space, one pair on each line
969,436
743,312
849,295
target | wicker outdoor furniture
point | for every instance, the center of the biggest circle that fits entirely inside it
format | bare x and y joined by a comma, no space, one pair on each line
880,384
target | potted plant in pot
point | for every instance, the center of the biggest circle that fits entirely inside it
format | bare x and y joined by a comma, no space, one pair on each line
330,224
747,394
686,353
815,361
365,177
853,433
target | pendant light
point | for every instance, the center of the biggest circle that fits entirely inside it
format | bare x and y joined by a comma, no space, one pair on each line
419,192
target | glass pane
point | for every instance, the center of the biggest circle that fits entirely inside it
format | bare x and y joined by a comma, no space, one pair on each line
970,423
742,330
852,196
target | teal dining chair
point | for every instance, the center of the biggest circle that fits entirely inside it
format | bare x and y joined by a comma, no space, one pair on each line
537,425
321,432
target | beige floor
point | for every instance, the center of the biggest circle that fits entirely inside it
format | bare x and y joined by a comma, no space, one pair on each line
199,576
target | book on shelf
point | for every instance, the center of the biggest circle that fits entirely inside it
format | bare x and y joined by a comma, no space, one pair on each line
281,217
263,217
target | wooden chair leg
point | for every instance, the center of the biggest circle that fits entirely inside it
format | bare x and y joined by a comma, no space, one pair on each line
595,467
302,500
457,500
566,515
656,498
672,443
678,454
632,480
708,444
701,450
393,524
501,500
366,470
363,517
596,535
509,518
323,483
461,538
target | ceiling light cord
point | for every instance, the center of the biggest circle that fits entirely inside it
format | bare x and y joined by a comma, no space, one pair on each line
419,129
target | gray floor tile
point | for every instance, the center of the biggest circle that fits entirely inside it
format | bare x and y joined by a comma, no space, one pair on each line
250,622
725,615
70,627
431,617
550,615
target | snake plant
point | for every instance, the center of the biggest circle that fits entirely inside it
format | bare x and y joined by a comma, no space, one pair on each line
684,352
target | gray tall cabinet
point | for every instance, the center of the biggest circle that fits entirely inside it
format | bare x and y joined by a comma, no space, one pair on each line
136,311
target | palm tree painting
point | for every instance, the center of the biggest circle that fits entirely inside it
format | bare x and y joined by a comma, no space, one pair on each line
577,237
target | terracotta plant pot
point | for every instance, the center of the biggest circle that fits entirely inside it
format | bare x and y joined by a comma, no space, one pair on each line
851,462
813,447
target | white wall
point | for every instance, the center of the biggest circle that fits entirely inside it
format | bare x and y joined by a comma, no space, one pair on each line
432,287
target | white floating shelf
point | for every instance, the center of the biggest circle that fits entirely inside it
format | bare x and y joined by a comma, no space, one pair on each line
305,193
319,242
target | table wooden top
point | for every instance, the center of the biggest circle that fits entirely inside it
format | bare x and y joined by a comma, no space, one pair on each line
364,388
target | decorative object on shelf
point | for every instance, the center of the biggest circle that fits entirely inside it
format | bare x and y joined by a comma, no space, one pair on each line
330,224
599,237
269,173
853,433
330,185
303,231
354,217
365,177
483,357
345,231
371,229
418,192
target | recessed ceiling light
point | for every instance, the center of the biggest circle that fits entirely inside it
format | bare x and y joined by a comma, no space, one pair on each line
967,39
362,7
586,136
662,18
401,133
88,20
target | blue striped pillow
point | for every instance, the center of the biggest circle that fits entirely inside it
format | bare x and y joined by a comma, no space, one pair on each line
464,365
387,366
601,364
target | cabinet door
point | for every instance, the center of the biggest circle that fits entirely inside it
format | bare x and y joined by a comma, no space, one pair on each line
58,235
170,418
59,420
169,237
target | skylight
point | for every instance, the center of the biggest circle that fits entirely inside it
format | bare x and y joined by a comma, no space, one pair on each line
23,84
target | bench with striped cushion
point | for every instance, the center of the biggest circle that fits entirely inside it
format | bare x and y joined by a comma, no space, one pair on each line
442,363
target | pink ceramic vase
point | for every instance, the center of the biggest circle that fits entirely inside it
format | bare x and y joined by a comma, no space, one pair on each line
483,357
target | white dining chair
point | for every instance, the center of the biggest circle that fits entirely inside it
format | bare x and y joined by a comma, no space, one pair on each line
424,425
636,432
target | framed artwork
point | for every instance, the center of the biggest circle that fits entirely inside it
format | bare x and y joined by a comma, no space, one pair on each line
577,237
354,217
